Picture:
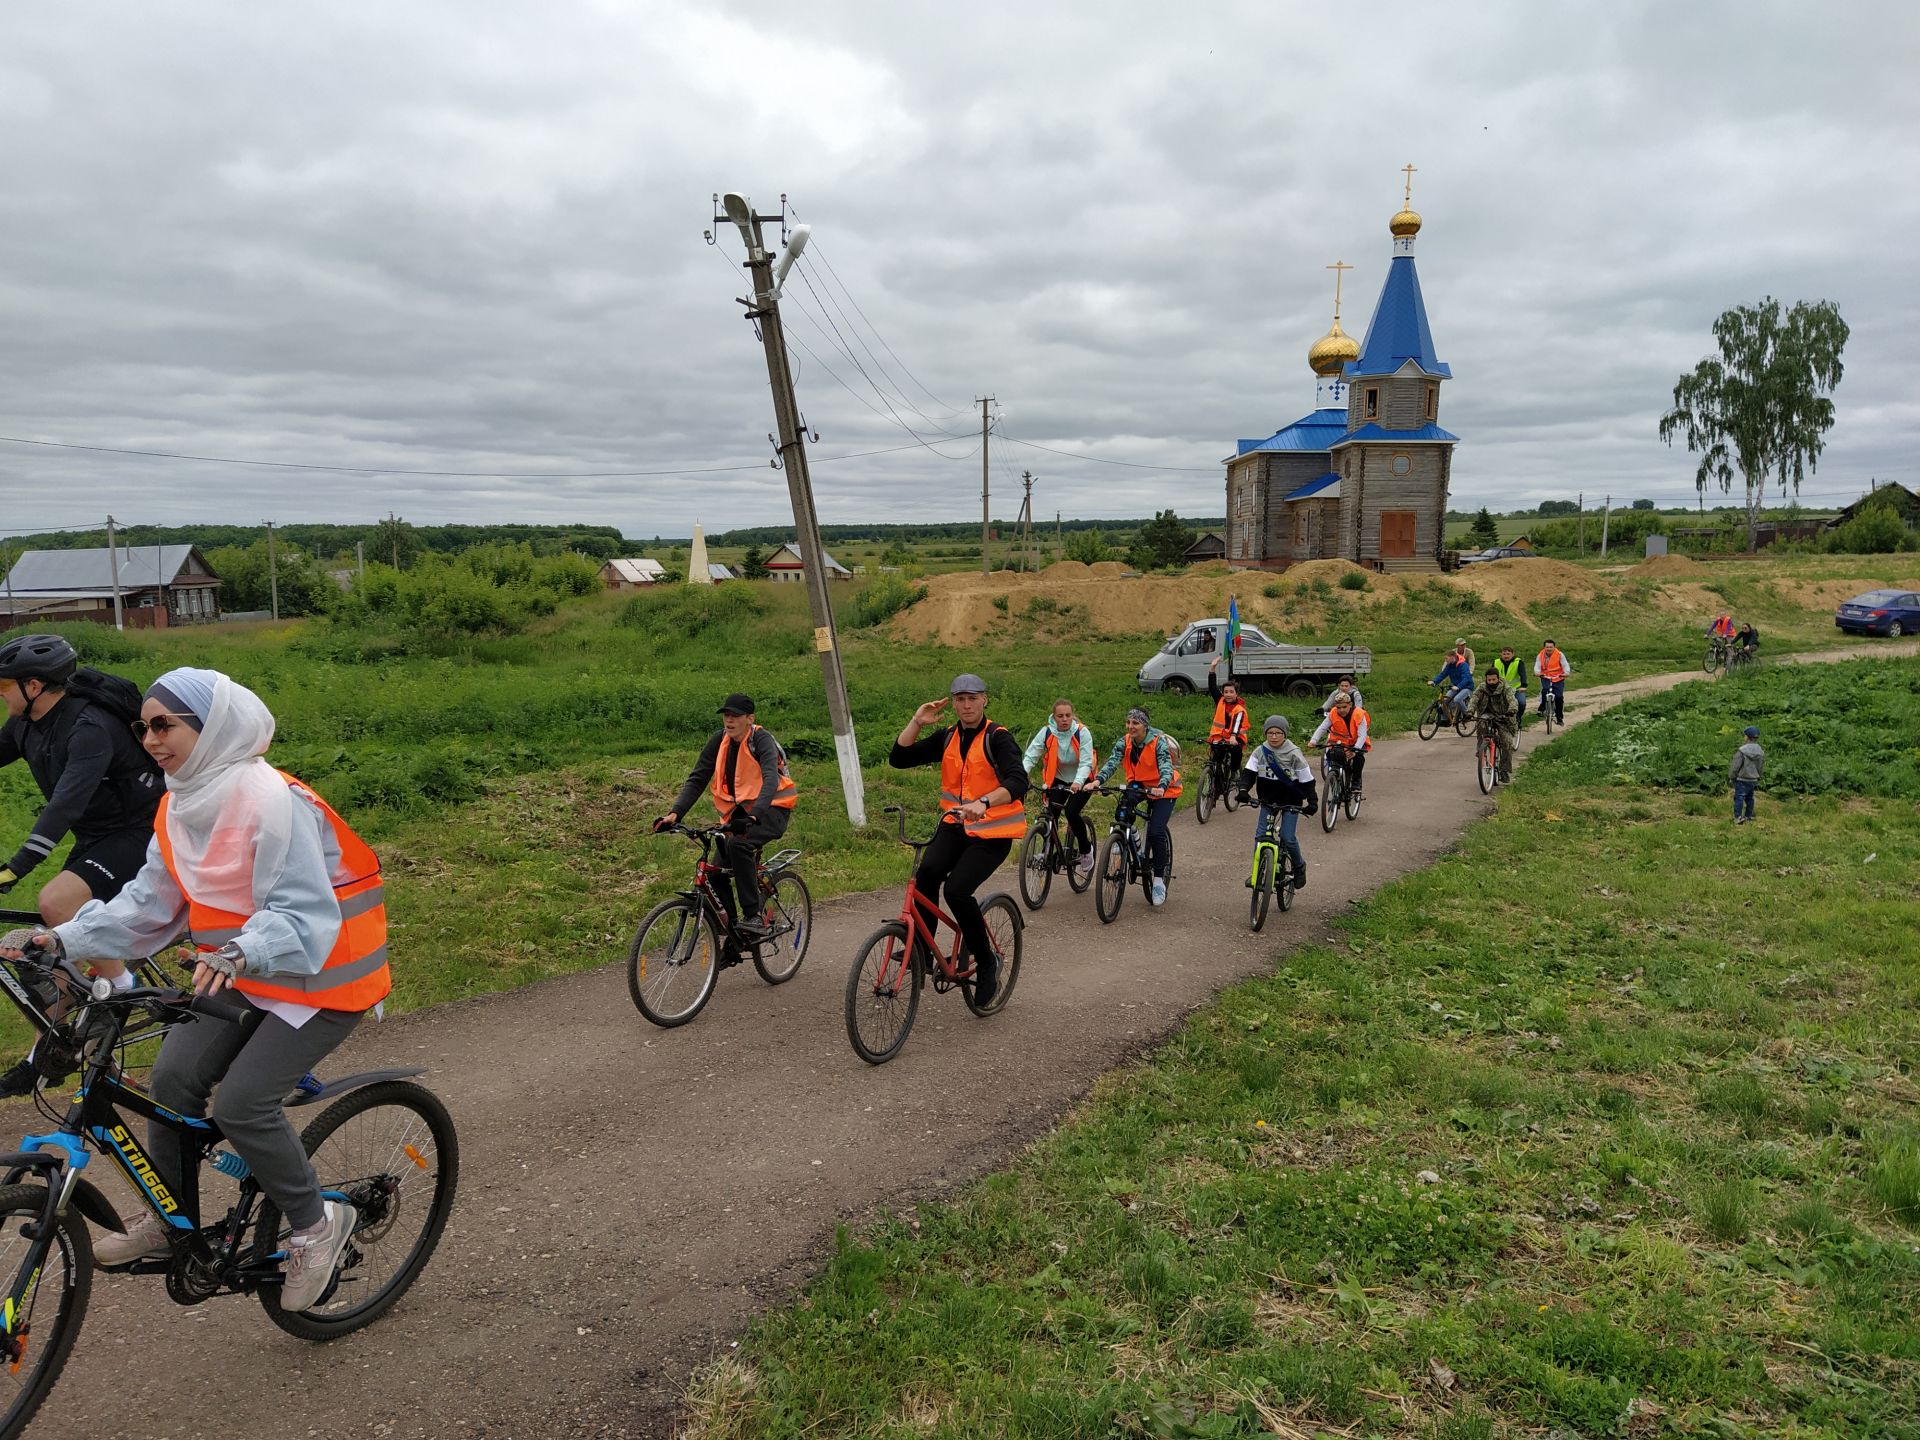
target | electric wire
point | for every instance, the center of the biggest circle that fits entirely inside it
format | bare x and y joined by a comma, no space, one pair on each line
846,350
1102,460
899,390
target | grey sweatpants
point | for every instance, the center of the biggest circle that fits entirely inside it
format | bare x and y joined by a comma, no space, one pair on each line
256,1066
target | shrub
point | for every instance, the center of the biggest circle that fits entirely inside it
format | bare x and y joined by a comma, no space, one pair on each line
1089,547
1274,590
1354,580
1875,529
882,599
1000,603
686,612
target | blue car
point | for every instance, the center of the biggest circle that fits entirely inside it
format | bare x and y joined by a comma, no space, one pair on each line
1881,612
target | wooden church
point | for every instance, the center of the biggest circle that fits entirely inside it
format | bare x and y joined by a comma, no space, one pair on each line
1364,477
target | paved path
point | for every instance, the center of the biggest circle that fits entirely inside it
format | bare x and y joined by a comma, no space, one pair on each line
631,1196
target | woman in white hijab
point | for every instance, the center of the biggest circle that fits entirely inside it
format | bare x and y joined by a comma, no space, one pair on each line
254,865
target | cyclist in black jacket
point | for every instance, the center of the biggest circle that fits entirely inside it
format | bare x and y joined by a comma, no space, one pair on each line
100,787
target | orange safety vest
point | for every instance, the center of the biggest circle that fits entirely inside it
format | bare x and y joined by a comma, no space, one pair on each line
1050,762
1551,665
1229,723
1143,767
1341,731
355,976
965,779
785,794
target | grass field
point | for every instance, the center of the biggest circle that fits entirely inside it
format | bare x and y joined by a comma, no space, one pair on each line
1605,1125
509,781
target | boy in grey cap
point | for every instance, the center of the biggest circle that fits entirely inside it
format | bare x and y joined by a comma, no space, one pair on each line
1278,770
1748,762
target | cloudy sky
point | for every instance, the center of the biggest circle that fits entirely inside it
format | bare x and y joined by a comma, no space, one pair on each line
465,236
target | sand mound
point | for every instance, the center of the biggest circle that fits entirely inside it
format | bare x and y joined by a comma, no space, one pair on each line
1517,584
960,608
1668,565
1327,570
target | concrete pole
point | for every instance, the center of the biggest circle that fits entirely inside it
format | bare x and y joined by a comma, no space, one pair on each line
273,572
113,565
986,564
806,522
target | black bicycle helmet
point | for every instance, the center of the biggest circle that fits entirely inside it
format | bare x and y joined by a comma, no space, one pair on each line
48,658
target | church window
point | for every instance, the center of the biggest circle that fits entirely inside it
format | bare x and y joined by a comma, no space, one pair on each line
1402,464
1433,401
1373,403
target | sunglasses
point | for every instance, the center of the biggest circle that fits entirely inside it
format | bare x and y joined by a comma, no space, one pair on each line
159,725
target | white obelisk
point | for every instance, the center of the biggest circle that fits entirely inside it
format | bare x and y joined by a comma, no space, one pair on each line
697,572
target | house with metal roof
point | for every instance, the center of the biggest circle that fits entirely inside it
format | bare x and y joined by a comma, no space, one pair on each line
1364,477
785,564
156,586
631,574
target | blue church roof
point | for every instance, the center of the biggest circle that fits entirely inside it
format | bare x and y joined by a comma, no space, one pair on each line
1404,437
1317,431
1313,487
1399,330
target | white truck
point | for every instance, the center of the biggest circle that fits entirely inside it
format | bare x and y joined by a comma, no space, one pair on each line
1185,663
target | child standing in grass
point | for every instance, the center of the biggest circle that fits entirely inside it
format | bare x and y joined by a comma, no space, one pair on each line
1744,772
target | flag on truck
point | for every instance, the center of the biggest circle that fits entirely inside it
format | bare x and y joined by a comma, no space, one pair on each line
1233,623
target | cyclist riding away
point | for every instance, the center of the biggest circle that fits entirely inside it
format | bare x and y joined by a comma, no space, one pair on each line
1281,775
1513,674
1455,680
746,769
98,784
285,906
1552,667
1148,759
1345,730
1345,687
1492,707
1228,734
1063,749
981,777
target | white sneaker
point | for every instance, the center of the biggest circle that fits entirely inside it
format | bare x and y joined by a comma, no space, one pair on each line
1159,890
1083,867
309,1268
144,1237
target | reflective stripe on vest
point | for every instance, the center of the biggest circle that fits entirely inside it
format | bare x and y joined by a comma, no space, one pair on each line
355,976
1342,730
964,779
1144,768
785,793
1050,765
1228,724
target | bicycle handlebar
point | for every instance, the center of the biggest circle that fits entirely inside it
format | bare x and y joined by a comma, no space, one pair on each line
901,811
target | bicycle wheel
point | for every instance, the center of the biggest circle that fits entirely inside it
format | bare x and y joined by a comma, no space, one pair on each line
391,1151
1283,881
1713,659
1483,761
673,961
1077,879
1110,879
1546,711
1036,864
883,994
1462,723
790,907
1008,929
1336,791
1262,886
1204,797
53,1306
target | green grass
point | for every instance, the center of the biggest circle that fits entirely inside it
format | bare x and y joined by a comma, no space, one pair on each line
1607,1119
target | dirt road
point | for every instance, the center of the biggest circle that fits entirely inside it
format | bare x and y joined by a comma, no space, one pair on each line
631,1196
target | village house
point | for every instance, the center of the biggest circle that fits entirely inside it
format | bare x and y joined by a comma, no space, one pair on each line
159,585
1208,547
1903,501
1364,477
785,564
631,574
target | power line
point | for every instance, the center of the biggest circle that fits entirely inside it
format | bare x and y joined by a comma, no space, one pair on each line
847,351
1102,460
899,390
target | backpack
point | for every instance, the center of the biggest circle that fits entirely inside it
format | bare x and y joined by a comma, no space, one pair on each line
115,694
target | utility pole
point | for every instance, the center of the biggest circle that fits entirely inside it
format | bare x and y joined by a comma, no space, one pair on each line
764,310
393,534
1606,516
360,555
1026,520
113,565
273,571
986,566
1582,502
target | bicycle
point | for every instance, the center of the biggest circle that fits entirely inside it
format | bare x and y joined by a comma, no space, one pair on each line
43,1003
385,1146
1441,714
1740,657
1488,746
676,955
1272,874
1216,784
1336,786
1123,854
1717,648
883,989
1046,850
1546,707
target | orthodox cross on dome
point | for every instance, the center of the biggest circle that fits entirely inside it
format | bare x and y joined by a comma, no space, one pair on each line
1407,203
1338,267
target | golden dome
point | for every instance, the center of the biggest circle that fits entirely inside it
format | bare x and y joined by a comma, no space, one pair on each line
1332,351
1406,223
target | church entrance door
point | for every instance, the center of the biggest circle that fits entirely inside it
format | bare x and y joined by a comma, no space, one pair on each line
1396,534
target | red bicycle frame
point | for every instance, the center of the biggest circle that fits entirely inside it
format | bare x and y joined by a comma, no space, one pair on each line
912,916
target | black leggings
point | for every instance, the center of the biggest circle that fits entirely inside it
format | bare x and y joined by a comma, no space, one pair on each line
1356,765
740,857
960,863
1075,812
